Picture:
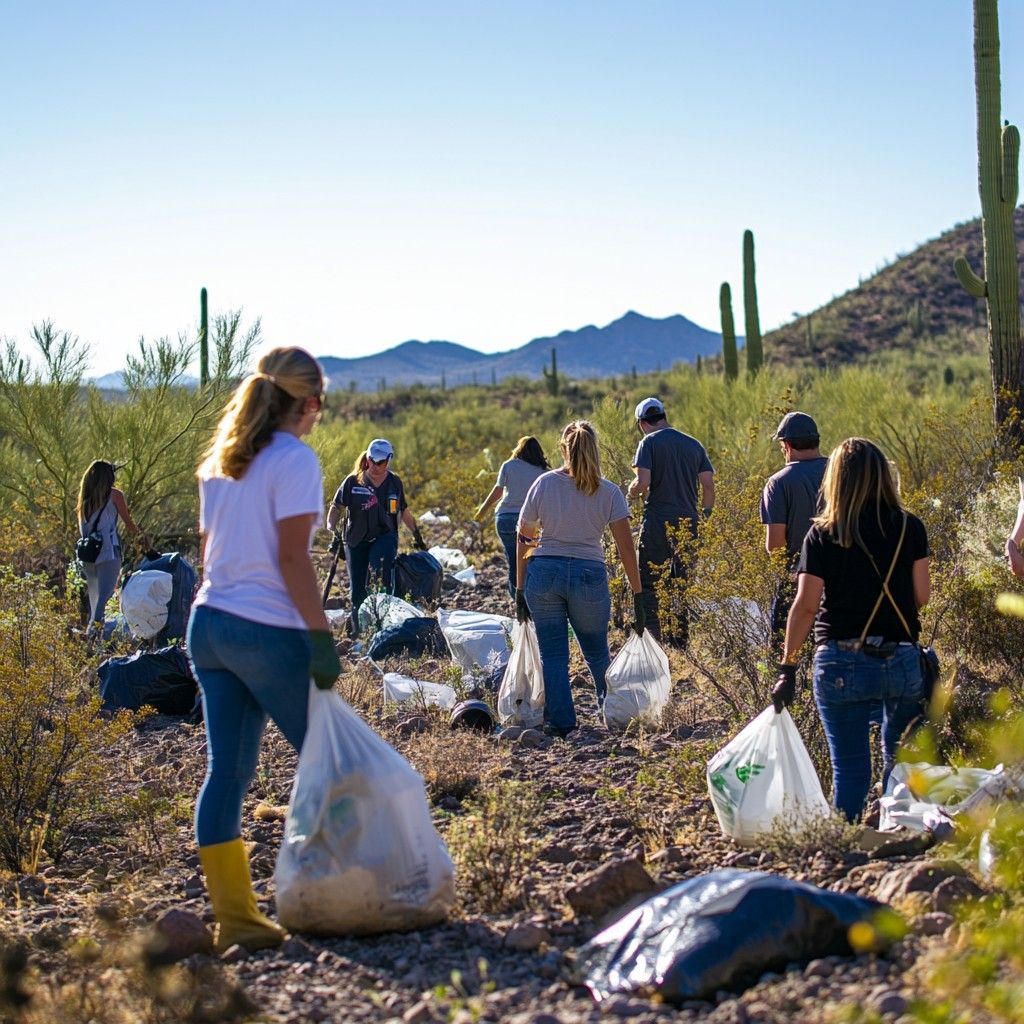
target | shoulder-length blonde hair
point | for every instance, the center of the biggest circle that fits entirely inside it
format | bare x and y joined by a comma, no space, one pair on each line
266,399
94,490
857,479
360,466
579,446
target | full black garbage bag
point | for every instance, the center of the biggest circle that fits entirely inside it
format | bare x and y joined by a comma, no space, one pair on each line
413,637
162,679
183,583
418,576
720,931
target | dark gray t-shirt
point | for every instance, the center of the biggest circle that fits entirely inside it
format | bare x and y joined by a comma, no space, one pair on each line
675,461
516,476
791,499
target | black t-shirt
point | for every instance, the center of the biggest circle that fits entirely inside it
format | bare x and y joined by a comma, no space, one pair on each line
852,584
372,511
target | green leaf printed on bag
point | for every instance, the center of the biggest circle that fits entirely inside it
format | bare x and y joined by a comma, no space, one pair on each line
718,781
745,772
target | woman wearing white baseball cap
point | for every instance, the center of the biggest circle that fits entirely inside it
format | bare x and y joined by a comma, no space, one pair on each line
374,499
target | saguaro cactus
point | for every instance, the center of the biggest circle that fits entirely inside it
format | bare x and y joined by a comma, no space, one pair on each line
755,353
998,154
551,376
730,360
204,341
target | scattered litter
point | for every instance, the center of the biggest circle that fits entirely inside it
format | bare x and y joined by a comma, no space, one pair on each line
473,714
336,615
926,797
144,600
160,679
521,694
431,519
418,576
183,588
720,932
379,611
639,682
399,688
467,576
360,852
413,637
764,774
477,641
452,559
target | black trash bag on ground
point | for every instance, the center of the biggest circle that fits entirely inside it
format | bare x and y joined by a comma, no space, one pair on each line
413,637
161,679
418,576
720,931
183,582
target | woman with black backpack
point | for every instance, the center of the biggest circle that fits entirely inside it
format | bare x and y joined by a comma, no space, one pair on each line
100,505
374,500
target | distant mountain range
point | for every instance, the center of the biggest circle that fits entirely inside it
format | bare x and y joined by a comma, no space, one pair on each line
632,341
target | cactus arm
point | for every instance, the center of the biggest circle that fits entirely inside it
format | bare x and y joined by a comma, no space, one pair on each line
1011,159
973,284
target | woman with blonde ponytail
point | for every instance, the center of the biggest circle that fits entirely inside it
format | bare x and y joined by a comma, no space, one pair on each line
566,580
257,633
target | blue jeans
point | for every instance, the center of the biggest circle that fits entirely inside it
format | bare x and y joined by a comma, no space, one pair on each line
377,555
246,672
507,526
101,581
848,687
560,591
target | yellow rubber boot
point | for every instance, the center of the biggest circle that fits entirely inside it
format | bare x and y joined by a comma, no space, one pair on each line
239,921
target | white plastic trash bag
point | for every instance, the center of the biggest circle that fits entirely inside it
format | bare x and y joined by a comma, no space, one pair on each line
379,611
521,694
434,519
451,559
926,797
399,688
360,853
762,775
145,598
639,682
467,576
477,641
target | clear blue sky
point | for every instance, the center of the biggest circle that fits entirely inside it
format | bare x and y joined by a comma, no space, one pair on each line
361,173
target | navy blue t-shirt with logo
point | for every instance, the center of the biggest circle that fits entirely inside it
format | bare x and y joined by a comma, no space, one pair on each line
372,511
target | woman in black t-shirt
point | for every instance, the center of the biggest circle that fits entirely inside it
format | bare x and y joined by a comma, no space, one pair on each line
863,576
374,500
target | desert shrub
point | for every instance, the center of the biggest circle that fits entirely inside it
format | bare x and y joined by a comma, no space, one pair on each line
54,744
494,844
801,840
453,762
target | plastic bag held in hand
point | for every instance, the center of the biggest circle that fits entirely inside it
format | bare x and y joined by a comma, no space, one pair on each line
360,853
521,694
764,774
639,682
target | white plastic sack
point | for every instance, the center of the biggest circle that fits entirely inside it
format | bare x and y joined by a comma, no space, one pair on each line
379,611
144,601
434,520
926,797
477,641
451,559
467,576
521,694
399,688
639,682
360,853
764,774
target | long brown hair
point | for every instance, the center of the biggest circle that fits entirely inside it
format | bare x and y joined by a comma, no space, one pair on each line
529,450
579,443
266,399
360,466
94,490
857,478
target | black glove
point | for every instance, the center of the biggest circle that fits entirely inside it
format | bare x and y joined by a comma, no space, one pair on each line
784,690
324,665
335,547
522,609
639,614
417,540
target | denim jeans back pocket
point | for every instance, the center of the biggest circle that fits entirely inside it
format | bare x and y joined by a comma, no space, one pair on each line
593,583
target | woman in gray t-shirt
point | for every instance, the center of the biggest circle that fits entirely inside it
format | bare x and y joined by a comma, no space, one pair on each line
515,478
565,579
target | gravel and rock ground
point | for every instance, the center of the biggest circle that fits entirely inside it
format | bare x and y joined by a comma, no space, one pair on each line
606,819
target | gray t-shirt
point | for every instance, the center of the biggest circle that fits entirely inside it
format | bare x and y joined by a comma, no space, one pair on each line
516,476
572,523
675,461
791,498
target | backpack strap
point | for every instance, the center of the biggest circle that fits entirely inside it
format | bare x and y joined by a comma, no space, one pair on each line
885,591
96,520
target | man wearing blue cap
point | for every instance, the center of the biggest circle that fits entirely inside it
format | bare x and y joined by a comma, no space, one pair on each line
670,468
789,502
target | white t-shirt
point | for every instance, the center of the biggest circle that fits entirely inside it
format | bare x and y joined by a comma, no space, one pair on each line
239,519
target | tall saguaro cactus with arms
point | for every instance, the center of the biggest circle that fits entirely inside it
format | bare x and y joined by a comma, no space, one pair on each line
998,156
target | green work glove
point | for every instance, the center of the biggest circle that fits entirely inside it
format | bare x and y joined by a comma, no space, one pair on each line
639,614
324,665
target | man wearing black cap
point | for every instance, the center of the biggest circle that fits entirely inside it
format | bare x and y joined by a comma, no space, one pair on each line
790,500
670,467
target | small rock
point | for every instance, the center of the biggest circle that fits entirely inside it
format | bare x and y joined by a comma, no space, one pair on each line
530,738
526,937
920,876
235,954
888,1002
510,734
949,893
420,1013
411,726
177,934
623,1007
819,969
609,887
557,854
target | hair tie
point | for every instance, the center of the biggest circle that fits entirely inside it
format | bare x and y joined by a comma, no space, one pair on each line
268,376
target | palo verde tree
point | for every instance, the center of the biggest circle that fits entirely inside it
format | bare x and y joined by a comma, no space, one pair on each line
998,154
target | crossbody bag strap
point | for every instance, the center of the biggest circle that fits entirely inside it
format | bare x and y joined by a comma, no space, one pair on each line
885,592
96,521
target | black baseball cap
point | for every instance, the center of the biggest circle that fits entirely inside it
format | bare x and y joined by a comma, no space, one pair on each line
796,426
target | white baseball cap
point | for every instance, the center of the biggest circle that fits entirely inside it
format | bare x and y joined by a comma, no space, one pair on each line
649,406
380,449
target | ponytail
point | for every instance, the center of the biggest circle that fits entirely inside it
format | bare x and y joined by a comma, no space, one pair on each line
579,442
359,467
